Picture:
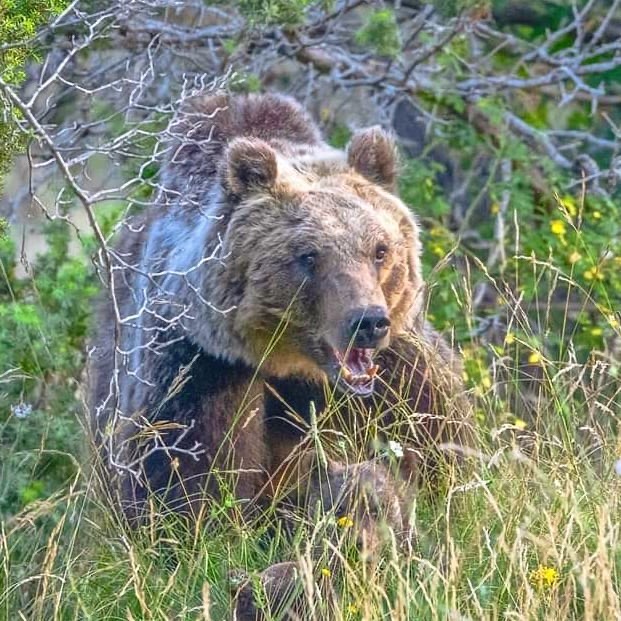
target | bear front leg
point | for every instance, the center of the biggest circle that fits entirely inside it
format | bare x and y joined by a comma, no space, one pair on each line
366,510
365,504
362,500
305,475
365,498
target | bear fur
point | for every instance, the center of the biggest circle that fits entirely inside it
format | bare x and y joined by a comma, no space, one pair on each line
230,309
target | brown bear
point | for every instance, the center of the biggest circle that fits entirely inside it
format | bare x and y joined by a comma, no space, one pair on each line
276,277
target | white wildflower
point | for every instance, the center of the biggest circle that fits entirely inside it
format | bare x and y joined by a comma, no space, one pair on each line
395,448
21,410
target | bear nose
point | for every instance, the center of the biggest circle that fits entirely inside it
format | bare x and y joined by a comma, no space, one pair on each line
367,327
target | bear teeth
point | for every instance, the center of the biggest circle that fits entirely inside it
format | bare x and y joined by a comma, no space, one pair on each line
358,367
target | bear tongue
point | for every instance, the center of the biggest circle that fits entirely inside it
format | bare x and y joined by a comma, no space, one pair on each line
358,360
358,365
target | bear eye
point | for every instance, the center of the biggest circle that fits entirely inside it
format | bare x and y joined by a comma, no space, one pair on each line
380,253
308,261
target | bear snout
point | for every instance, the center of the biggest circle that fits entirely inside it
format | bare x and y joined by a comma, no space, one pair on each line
367,327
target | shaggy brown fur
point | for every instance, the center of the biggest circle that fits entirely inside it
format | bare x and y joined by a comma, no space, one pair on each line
232,298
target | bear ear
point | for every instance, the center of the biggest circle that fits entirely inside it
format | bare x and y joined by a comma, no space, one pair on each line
372,153
251,165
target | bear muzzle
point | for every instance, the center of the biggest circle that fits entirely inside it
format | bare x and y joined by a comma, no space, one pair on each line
363,331
355,371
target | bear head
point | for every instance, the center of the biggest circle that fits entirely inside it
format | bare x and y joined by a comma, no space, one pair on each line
322,255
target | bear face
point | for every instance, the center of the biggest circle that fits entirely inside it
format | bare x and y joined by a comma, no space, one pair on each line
325,259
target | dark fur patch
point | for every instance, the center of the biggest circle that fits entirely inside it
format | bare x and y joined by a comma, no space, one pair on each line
176,478
291,395
204,375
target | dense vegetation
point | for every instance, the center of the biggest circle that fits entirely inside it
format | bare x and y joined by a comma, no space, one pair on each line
511,164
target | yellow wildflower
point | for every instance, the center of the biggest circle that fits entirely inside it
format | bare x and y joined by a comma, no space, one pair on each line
597,215
558,227
574,257
535,358
495,209
510,338
594,273
543,577
519,423
596,331
345,521
325,571
352,609
438,250
569,204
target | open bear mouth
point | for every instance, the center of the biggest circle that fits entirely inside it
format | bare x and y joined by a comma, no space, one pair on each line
356,370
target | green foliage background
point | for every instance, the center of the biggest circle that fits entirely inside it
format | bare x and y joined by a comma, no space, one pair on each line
19,22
